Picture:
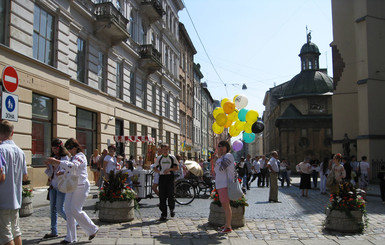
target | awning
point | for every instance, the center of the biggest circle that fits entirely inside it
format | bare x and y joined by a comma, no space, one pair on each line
142,139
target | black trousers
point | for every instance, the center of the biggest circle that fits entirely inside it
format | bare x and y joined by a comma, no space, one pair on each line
166,193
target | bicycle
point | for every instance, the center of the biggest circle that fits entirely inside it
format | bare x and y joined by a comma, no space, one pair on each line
184,192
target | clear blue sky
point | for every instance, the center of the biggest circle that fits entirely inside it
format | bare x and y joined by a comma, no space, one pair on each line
255,42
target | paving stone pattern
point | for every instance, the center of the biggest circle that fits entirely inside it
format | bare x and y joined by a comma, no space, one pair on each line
297,220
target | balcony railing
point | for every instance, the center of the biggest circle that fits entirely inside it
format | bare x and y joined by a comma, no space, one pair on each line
152,9
150,58
110,23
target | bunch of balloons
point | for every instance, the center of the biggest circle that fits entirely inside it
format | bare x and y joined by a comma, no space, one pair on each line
234,115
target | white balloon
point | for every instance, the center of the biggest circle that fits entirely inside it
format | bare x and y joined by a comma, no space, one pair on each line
241,101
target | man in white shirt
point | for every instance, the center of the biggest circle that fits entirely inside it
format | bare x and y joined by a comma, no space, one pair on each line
255,169
272,165
262,176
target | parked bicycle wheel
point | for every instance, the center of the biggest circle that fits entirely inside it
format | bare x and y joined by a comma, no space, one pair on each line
184,193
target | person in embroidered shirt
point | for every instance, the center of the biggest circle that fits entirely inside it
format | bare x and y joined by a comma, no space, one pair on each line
165,165
74,201
272,165
224,171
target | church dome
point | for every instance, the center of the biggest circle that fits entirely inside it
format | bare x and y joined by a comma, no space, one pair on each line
309,47
308,83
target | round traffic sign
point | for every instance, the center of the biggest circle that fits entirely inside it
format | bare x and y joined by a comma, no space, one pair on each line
10,79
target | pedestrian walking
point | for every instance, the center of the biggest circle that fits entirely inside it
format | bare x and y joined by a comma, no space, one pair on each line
363,179
165,165
339,173
94,159
242,173
13,171
263,168
381,177
249,173
101,168
323,173
256,171
74,201
305,169
224,172
283,170
314,171
56,197
273,169
110,162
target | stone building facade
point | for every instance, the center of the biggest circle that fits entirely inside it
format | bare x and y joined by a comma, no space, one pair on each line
298,115
91,70
358,76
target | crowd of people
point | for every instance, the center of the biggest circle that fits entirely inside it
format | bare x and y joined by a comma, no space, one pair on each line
265,171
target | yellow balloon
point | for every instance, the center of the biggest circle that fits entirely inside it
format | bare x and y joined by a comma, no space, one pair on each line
228,123
247,127
228,107
251,116
233,115
217,111
217,129
235,97
233,131
239,125
223,101
221,119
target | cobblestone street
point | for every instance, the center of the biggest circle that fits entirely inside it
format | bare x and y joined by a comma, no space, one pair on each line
297,220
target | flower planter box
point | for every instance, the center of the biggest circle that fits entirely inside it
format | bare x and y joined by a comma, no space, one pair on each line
116,212
217,216
341,221
26,207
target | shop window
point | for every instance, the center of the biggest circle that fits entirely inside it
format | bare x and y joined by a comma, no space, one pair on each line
41,129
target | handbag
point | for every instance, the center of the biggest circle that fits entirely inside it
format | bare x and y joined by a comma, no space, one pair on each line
68,181
234,189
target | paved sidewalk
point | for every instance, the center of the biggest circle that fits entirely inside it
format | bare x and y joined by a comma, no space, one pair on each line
305,229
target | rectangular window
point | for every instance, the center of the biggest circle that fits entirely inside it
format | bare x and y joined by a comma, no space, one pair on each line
4,21
168,139
175,144
43,33
86,130
175,109
133,144
167,106
132,88
119,80
81,61
153,98
144,145
101,72
153,133
119,131
41,128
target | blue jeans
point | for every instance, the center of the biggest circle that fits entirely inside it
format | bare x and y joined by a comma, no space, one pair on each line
56,201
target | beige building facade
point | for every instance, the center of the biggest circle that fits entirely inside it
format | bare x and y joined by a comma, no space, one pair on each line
92,70
359,78
186,104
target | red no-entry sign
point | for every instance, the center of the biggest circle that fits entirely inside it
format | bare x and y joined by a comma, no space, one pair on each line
10,79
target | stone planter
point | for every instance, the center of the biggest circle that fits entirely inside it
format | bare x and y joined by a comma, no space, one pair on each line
116,212
341,221
217,216
26,207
